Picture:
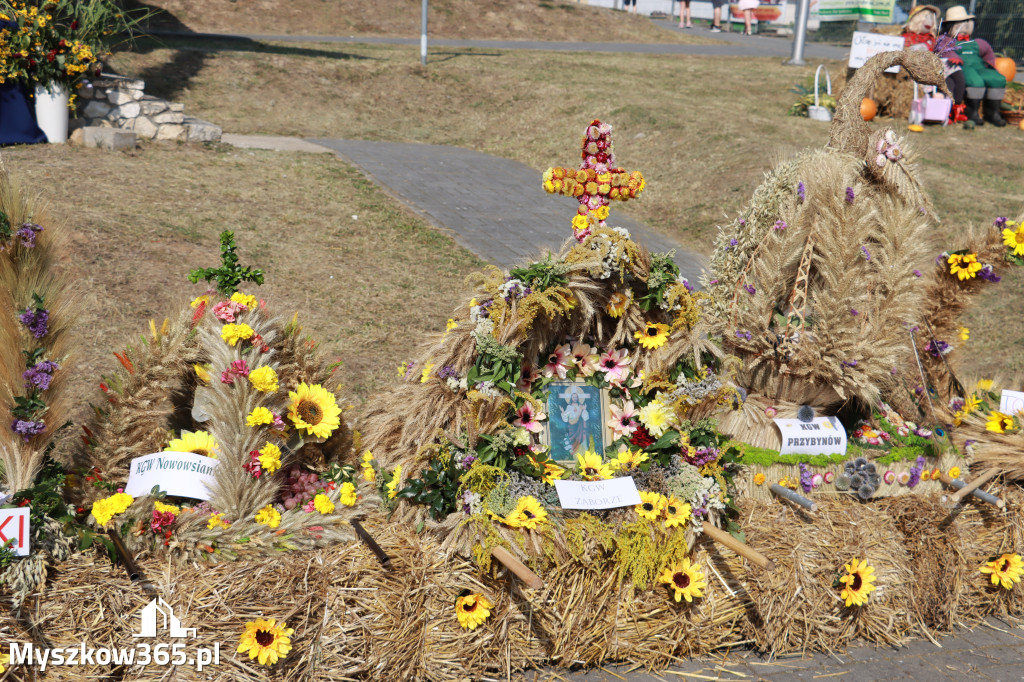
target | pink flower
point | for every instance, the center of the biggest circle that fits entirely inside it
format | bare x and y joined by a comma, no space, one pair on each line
558,362
526,418
585,358
614,364
226,310
623,421
309,507
237,368
528,375
160,520
253,465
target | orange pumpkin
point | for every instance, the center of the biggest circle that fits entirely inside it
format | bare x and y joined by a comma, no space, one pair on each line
1007,67
1021,124
868,108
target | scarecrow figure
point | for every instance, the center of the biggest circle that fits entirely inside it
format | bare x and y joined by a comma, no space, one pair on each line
922,28
970,68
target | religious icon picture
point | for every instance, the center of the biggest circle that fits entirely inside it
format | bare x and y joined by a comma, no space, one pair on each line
577,413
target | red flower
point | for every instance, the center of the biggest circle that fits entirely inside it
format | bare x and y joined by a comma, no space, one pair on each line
641,438
31,63
74,25
51,55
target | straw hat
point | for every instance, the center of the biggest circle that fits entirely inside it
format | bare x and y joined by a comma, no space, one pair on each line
956,13
921,8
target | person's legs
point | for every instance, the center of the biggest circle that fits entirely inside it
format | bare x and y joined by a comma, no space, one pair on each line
716,22
748,17
684,14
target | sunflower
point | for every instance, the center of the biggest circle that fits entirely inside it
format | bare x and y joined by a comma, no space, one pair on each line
592,468
651,504
858,581
1006,570
529,513
964,266
685,579
631,459
264,379
197,442
314,409
676,513
396,478
472,610
266,641
617,304
552,473
1015,239
999,422
653,335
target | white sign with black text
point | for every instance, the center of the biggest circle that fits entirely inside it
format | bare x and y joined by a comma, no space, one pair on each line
183,474
1011,402
866,45
609,494
821,436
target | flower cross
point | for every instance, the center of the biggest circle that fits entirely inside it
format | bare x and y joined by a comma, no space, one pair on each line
230,274
596,182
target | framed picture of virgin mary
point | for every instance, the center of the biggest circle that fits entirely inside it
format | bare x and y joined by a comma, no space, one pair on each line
577,413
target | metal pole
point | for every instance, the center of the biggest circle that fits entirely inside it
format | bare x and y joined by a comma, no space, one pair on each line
423,35
799,33
974,4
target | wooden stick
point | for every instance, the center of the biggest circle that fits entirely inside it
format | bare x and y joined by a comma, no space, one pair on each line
957,484
745,551
981,480
382,557
520,569
127,560
793,496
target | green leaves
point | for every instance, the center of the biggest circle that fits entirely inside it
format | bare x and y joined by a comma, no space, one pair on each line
436,488
230,274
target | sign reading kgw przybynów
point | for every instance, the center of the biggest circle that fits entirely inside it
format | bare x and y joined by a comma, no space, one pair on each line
821,436
183,474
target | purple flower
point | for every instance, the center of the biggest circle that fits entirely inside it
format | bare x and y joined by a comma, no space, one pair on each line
743,221
806,479
27,232
701,456
714,281
733,242
915,472
917,273
447,372
801,191
867,254
36,321
849,363
849,195
27,429
1000,222
743,335
779,225
989,273
854,312
40,375
937,348
686,284
750,289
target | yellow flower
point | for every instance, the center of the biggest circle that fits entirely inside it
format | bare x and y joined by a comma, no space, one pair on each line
269,516
653,335
266,641
217,521
684,579
314,409
971,404
1014,239
965,333
656,418
617,304
985,384
964,266
451,324
954,472
425,374
592,467
472,610
926,475
580,222
552,473
5,659
369,475
323,504
676,513
233,333
858,581
270,458
200,300
163,508
105,509
601,213
651,504
1006,570
198,442
999,422
248,301
259,416
759,478
264,379
202,373
529,513
347,496
392,486
627,460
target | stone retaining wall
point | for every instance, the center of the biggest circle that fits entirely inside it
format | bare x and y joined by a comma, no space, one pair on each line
120,102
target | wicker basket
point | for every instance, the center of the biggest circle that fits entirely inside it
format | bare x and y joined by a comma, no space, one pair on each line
1013,117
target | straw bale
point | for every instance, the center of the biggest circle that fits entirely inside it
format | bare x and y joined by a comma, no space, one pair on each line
989,533
796,607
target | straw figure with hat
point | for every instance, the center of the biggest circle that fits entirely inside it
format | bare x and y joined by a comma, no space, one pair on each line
922,28
970,68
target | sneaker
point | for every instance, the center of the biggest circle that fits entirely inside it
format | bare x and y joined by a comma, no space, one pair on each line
715,29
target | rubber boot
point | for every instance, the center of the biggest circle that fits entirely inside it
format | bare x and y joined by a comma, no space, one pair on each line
972,111
992,114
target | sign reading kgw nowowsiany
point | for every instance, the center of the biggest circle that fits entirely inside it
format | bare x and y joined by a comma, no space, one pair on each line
184,474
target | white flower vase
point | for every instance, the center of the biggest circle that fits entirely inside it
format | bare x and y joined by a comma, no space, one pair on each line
52,112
